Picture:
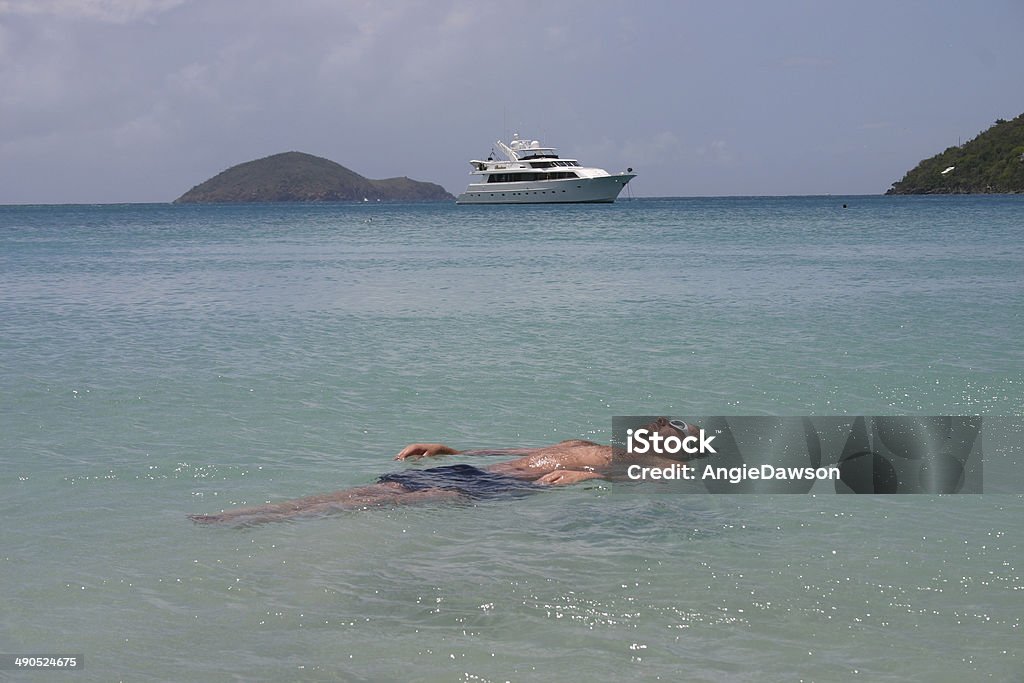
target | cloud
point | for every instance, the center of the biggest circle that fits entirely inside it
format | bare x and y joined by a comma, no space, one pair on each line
108,11
718,152
36,82
405,49
193,80
366,31
808,62
142,132
654,149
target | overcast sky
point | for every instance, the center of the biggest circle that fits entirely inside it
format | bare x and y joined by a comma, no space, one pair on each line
139,100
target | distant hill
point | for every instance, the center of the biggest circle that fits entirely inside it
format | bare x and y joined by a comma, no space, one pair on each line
298,177
993,162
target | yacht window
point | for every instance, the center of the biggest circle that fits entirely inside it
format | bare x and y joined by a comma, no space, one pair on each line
514,177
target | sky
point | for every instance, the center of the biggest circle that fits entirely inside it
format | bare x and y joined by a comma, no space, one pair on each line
105,101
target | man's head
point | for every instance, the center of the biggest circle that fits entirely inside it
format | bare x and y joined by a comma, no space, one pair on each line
663,437
676,428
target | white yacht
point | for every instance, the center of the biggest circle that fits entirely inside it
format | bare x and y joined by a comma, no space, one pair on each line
532,174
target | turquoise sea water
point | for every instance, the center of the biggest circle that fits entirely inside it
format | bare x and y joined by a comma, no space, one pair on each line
162,360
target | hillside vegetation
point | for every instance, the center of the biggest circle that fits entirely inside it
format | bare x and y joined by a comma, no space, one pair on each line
298,177
993,162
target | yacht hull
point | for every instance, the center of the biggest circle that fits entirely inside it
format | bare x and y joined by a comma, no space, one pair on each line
604,189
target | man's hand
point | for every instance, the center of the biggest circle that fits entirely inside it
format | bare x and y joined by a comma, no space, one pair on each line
565,477
415,451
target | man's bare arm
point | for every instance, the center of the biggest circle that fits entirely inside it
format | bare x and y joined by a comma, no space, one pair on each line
415,451
424,450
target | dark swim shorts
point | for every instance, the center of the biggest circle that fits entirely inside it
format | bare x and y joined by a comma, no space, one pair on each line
466,479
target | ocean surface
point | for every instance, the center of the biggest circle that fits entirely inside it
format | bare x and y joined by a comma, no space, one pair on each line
158,361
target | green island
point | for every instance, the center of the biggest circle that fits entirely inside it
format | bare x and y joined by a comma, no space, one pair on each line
991,163
299,177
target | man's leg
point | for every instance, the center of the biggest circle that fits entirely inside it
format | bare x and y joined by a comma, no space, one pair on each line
385,494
